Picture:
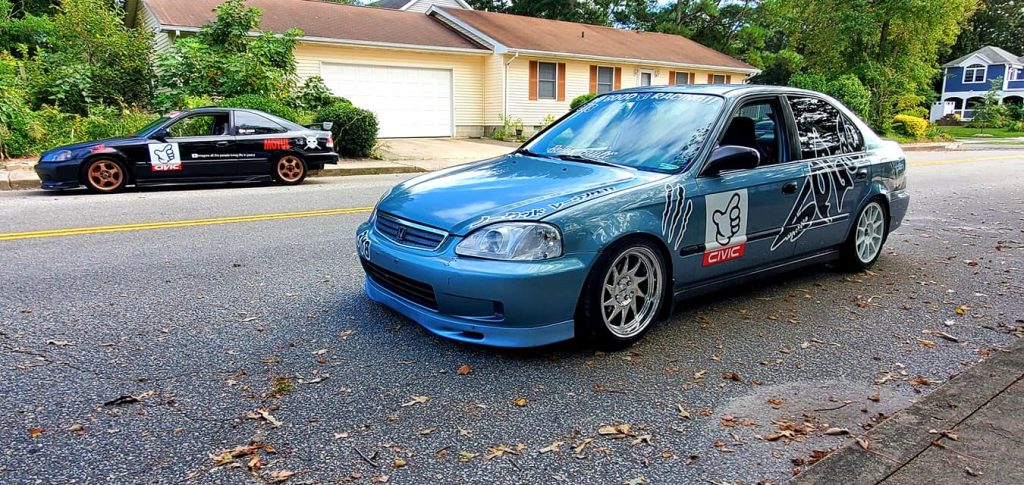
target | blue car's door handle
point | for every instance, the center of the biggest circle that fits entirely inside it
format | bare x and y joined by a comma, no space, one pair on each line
861,174
789,188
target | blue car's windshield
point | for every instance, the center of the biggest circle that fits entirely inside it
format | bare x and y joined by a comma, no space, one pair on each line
650,131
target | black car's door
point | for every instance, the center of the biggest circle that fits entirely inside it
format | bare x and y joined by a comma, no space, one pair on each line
261,140
197,146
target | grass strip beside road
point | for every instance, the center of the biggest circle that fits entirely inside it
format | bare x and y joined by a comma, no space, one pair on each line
145,226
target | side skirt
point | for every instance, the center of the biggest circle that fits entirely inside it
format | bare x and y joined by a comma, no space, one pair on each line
759,274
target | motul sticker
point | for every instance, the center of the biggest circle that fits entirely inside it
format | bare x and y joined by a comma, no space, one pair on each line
164,157
271,144
725,226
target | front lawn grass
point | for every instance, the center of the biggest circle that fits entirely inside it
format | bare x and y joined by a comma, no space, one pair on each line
965,132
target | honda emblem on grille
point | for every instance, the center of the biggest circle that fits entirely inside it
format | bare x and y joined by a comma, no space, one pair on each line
400,235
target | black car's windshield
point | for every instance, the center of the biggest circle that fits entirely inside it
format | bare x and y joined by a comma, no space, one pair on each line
650,131
145,130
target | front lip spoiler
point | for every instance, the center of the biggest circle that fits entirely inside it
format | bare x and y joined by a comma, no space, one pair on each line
471,331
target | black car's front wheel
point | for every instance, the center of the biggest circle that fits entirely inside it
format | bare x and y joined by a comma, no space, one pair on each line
105,175
290,170
623,295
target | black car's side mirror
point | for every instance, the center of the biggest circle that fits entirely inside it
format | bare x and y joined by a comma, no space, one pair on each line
732,157
160,134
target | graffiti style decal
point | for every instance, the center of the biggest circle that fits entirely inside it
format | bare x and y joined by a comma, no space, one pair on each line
164,157
363,244
824,189
312,143
272,144
578,198
725,226
675,215
510,216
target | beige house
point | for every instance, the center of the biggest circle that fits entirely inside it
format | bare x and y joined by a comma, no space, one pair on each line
435,68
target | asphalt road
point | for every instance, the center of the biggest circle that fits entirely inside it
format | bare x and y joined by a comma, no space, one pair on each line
205,325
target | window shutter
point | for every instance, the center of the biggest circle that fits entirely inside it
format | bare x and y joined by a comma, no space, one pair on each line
618,78
593,79
711,78
533,80
671,77
728,79
561,81
693,78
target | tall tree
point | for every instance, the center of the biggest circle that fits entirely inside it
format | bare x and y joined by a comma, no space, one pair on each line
998,23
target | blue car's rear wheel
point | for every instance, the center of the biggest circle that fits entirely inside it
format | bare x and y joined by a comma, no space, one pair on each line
624,295
864,245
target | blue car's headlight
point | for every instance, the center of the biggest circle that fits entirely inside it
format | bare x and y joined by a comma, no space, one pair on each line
513,241
57,156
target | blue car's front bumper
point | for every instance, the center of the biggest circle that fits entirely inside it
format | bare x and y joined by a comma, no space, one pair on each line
498,303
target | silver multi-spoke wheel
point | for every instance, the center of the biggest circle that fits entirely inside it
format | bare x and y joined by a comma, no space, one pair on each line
870,233
631,292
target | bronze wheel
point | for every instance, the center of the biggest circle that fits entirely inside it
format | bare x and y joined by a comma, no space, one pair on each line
290,170
105,175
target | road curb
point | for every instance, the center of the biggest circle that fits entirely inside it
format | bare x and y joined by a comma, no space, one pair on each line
5,180
931,147
22,179
904,436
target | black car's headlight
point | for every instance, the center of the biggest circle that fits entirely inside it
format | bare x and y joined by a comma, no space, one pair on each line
57,156
513,241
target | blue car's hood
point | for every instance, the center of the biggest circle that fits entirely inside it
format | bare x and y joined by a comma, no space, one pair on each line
511,187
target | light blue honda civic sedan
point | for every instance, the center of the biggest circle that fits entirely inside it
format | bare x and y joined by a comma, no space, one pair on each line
629,204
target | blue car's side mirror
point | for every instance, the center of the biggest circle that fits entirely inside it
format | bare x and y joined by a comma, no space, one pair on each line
732,157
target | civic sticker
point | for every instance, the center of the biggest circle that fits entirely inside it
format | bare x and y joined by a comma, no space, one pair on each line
164,157
725,233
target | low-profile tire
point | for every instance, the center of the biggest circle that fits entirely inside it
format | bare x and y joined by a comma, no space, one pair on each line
623,295
289,169
869,233
104,175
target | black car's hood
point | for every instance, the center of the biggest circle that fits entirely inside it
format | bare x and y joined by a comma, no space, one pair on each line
109,142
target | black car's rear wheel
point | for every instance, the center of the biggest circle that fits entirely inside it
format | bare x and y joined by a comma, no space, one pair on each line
290,170
105,175
623,295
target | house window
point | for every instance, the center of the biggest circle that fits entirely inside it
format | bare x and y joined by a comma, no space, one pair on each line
547,80
1016,74
682,78
605,79
975,73
718,79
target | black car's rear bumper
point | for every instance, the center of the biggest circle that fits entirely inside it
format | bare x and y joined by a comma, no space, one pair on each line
316,161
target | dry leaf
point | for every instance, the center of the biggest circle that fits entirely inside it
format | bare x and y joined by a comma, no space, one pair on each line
641,439
836,431
465,456
926,343
875,397
399,463
616,431
35,432
59,343
520,401
341,435
345,334
972,472
775,402
416,400
464,370
552,447
731,376
683,413
427,431
862,442
265,415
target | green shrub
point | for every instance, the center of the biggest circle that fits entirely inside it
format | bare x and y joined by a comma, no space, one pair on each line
354,131
262,103
916,112
313,95
581,100
911,126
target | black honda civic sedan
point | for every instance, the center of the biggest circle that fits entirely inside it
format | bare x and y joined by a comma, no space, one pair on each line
195,146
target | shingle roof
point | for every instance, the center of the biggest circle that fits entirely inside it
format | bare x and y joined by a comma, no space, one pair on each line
325,20
994,55
392,4
529,33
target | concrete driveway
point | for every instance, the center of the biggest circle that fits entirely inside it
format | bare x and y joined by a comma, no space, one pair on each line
443,152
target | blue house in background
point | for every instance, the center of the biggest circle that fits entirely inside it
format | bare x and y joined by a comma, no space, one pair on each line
967,79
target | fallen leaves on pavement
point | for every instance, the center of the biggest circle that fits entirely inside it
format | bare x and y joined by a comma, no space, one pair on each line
264,415
416,400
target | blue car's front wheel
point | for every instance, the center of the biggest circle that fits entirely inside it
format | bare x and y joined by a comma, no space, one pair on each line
624,294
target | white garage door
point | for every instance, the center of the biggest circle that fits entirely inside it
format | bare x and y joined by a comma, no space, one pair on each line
408,102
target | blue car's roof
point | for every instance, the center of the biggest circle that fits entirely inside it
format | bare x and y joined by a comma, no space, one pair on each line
724,90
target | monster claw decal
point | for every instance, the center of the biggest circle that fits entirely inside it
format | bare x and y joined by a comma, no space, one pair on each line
675,215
